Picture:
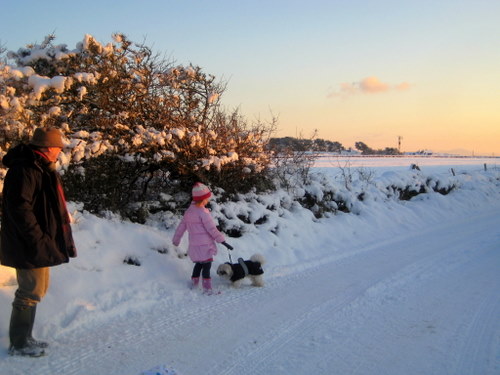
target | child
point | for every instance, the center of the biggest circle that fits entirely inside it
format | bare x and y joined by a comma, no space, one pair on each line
202,236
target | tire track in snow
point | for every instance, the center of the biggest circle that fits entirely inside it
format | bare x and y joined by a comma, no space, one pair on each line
481,340
480,352
258,360
139,329
252,356
429,264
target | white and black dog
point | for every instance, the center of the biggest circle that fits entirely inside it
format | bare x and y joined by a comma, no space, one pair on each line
236,272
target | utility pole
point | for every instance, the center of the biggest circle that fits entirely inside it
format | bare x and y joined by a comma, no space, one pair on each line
399,143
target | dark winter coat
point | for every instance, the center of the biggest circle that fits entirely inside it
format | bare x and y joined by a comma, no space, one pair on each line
36,228
239,272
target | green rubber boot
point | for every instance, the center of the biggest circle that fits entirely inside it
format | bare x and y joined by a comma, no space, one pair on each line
21,325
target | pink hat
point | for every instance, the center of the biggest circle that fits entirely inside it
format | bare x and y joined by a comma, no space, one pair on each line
200,192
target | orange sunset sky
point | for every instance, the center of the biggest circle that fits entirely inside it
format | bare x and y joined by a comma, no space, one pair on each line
370,71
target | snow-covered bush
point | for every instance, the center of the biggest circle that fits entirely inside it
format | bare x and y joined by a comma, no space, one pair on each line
292,162
133,121
321,196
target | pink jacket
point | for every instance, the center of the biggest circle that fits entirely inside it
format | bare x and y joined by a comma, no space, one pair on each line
202,233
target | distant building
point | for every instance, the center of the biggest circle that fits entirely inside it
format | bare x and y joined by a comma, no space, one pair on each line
421,152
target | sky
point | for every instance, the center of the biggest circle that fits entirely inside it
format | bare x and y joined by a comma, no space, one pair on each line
423,72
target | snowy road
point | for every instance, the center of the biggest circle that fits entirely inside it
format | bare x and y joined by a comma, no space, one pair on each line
421,303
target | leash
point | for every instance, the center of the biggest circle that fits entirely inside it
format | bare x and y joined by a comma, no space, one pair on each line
229,247
241,261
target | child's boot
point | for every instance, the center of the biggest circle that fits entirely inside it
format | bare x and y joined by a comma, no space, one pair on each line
194,282
207,286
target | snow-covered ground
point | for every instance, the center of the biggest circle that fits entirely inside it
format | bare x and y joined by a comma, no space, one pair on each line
432,164
399,287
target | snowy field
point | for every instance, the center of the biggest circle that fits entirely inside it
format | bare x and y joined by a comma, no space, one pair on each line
400,163
397,288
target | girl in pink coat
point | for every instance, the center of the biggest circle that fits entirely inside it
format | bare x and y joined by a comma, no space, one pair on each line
202,236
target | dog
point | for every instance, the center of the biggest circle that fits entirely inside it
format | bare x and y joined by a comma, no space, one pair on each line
236,272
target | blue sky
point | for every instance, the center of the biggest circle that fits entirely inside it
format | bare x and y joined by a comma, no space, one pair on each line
369,71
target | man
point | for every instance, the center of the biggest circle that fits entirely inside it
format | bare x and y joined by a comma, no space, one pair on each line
35,233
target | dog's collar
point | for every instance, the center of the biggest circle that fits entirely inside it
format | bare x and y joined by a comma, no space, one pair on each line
243,265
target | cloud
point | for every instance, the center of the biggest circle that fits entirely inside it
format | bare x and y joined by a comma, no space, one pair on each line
372,85
402,86
368,85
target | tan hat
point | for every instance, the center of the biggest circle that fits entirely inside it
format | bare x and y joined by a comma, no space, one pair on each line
47,137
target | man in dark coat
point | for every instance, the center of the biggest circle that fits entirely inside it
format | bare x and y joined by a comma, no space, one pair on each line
36,232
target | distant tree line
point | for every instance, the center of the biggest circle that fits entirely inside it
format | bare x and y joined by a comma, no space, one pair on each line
299,144
365,150
322,145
